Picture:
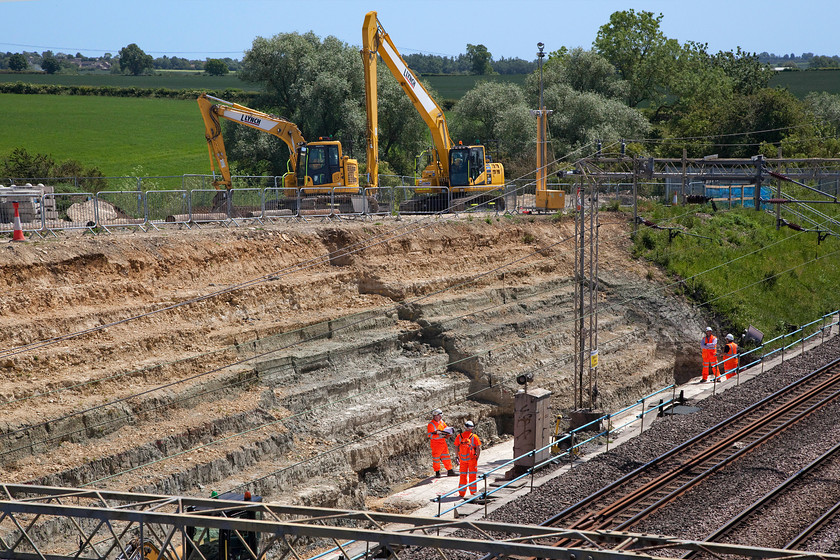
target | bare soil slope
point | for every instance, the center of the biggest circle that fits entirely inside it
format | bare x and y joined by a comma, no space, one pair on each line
301,359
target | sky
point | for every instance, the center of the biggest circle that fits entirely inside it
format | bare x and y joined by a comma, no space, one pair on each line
200,29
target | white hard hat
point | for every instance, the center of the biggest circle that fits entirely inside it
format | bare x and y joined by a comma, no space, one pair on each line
730,337
436,412
708,329
469,424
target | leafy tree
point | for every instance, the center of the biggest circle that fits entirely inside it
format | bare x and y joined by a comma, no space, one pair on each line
134,60
580,118
21,164
216,67
318,85
819,61
18,62
747,72
584,71
479,58
825,107
50,65
640,52
494,114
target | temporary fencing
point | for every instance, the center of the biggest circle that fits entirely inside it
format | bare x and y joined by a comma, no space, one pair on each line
160,201
380,201
209,205
73,211
167,207
246,205
21,209
280,203
120,209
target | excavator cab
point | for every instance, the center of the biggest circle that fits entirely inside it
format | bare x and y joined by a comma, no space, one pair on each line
319,163
466,165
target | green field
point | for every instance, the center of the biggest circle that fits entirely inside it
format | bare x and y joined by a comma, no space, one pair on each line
455,86
170,80
801,84
122,136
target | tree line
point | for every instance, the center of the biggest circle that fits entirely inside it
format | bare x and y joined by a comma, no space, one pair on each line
130,60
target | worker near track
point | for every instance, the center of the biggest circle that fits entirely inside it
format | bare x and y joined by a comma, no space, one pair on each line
730,357
709,347
438,432
469,448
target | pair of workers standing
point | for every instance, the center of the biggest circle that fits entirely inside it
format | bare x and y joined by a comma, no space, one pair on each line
730,356
469,448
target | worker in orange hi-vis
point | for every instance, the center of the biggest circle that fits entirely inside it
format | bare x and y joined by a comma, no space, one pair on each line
730,357
469,448
438,432
709,346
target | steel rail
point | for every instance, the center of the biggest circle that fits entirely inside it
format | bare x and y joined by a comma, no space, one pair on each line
717,449
814,528
673,456
663,497
789,485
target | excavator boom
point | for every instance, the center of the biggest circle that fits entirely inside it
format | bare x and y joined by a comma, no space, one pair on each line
376,41
212,108
463,170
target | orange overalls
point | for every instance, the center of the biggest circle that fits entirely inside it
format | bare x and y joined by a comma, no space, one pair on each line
709,346
469,447
730,356
440,451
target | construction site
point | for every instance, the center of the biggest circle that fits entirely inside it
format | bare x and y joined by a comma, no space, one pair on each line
229,372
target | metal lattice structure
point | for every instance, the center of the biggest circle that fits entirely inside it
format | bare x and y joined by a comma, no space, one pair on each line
63,523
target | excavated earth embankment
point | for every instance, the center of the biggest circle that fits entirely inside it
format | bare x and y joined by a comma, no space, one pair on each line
300,360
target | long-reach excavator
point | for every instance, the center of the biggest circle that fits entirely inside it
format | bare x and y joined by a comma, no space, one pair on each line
465,171
314,168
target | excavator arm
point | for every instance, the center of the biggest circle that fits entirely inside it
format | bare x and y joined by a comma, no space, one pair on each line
375,41
213,108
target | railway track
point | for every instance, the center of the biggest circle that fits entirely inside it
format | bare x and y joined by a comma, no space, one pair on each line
629,500
798,483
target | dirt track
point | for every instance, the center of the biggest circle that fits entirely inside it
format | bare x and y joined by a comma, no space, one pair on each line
185,311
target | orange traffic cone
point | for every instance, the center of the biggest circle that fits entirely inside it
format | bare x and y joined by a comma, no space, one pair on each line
18,234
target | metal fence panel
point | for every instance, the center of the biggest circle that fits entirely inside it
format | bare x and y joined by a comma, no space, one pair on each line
246,204
281,203
209,206
349,204
319,206
74,210
409,201
167,207
120,208
160,183
30,212
380,201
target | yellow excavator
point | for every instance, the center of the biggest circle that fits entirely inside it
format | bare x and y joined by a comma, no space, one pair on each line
314,168
466,171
